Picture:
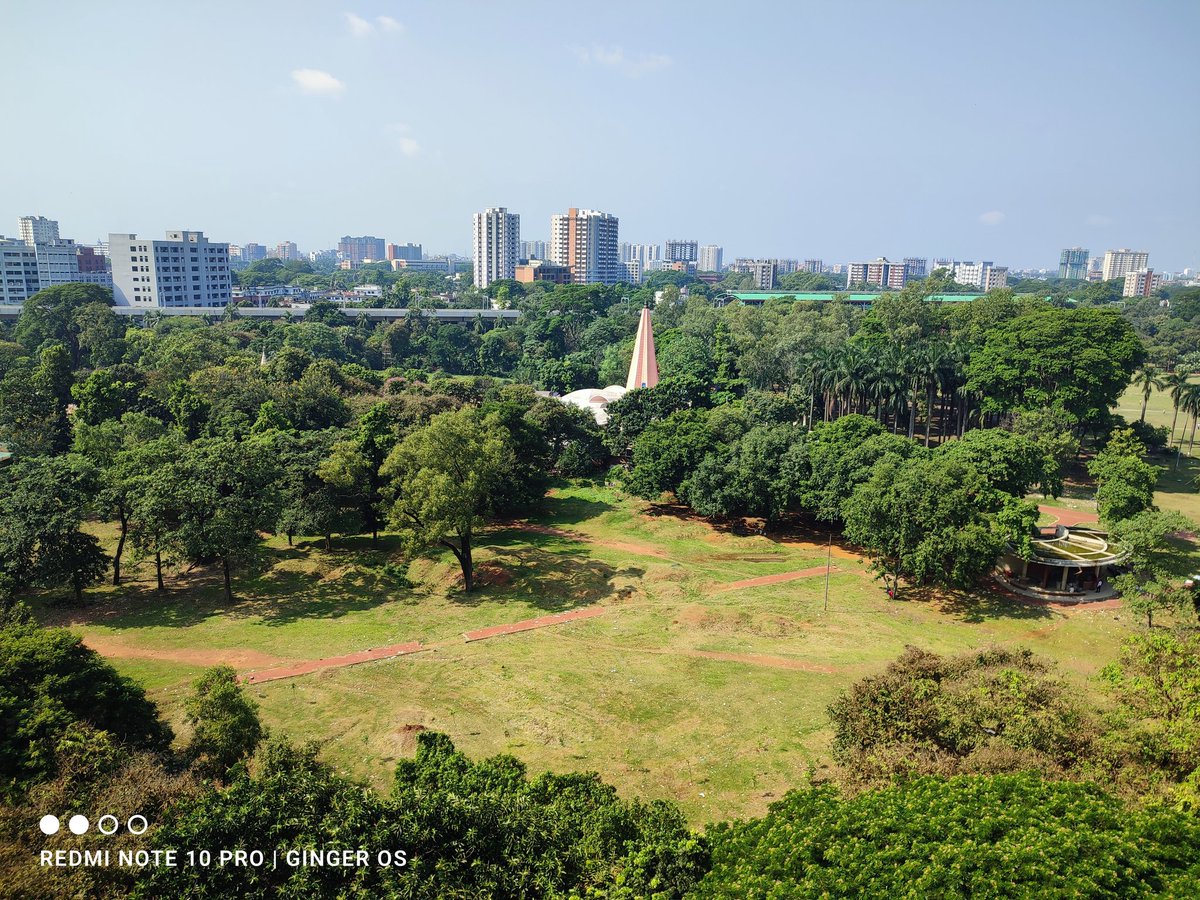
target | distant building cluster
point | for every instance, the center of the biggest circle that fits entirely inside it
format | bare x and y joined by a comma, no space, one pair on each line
40,258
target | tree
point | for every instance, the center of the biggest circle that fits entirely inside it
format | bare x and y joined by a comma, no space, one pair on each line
223,493
224,721
1052,430
927,519
57,315
668,452
441,479
1079,359
967,836
1010,462
991,710
42,505
1156,681
837,458
51,685
1124,484
1148,379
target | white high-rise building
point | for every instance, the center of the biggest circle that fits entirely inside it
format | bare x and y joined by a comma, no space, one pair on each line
38,230
710,258
586,241
1141,283
497,245
681,251
186,269
633,272
18,271
984,275
57,261
535,250
1118,263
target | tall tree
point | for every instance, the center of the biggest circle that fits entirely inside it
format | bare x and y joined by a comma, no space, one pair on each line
441,479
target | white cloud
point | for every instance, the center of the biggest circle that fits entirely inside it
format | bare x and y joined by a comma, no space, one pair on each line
404,141
992,217
359,27
1097,221
317,82
615,58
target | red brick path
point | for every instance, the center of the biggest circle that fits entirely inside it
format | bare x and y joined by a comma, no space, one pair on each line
775,579
1069,517
481,634
331,662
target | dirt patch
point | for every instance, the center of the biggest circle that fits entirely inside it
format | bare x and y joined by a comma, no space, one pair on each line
738,622
194,656
490,573
331,662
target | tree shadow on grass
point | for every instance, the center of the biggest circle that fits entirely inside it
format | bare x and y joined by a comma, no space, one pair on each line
566,511
984,604
546,573
1178,481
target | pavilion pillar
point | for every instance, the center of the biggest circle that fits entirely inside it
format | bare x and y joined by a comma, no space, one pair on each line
1063,585
1024,568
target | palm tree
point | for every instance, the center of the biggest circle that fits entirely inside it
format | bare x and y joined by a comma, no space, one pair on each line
1149,378
1176,383
1191,406
932,362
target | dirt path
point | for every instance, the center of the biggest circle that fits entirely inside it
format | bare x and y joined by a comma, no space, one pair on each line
763,580
209,656
1069,517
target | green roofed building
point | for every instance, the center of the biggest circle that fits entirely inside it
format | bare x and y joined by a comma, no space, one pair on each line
755,298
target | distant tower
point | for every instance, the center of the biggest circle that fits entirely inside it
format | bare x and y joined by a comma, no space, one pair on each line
643,368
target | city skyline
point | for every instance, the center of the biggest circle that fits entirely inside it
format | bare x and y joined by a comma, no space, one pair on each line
298,117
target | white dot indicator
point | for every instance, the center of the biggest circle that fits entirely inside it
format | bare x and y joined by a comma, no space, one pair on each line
78,824
49,824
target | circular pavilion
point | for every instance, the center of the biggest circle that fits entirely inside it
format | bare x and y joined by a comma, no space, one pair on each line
1068,564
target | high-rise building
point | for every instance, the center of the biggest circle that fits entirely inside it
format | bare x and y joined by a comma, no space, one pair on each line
93,266
360,249
1141,283
285,250
18,270
984,275
412,252
681,251
186,269
253,252
881,272
38,230
57,262
786,266
1073,264
914,268
814,265
646,254
762,271
496,245
586,240
535,250
633,272
1118,262
710,258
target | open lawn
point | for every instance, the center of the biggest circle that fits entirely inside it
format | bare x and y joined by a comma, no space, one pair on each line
1179,479
684,687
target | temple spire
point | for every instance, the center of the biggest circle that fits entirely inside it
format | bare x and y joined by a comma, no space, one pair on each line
643,368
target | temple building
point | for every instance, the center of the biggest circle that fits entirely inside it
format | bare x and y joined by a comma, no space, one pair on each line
643,373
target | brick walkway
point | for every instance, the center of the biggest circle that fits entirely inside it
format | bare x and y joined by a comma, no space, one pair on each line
331,662
1069,517
774,579
482,634
352,659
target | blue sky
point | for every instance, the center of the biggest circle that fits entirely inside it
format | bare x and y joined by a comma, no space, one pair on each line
847,130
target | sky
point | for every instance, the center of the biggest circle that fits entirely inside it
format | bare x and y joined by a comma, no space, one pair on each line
837,130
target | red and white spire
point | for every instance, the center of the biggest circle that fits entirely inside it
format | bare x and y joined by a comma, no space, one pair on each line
643,368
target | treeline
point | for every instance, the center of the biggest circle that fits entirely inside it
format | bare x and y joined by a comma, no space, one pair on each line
956,777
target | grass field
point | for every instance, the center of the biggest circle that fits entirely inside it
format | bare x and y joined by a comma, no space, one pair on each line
1180,477
681,689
